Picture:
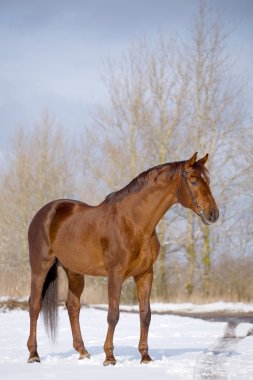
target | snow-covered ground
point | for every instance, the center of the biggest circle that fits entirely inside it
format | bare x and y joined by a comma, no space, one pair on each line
233,307
182,348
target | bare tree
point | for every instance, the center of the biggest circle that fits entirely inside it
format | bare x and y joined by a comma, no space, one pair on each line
216,119
166,100
38,171
146,92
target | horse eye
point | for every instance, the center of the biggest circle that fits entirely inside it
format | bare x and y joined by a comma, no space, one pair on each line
194,183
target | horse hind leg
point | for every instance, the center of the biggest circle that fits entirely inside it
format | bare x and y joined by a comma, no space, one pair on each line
38,278
76,285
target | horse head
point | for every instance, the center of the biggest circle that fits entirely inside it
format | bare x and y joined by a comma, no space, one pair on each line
194,190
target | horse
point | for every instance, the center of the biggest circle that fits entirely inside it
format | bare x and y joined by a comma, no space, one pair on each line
117,239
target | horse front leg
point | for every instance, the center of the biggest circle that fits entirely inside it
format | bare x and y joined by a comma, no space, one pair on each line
143,286
115,281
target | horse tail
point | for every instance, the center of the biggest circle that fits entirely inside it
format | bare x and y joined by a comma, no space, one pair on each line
50,302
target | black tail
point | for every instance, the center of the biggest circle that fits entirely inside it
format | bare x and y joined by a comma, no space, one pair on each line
50,302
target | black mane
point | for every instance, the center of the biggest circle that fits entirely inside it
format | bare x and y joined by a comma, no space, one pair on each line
141,180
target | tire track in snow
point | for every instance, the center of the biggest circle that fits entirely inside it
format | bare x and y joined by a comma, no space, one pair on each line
213,364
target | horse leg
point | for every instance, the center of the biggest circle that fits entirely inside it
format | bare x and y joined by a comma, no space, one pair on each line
76,285
143,286
35,302
115,281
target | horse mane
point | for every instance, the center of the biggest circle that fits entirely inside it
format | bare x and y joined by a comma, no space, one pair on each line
141,180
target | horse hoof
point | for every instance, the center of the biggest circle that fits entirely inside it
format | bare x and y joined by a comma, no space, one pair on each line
108,362
146,360
85,355
34,359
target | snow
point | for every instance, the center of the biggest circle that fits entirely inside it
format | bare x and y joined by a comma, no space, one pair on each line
220,306
182,348
18,299
211,307
190,307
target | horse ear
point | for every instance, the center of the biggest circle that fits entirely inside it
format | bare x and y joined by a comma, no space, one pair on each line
191,161
203,160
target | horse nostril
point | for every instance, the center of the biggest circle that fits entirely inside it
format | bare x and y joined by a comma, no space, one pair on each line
213,215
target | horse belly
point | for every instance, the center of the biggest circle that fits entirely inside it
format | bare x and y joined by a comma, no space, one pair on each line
81,254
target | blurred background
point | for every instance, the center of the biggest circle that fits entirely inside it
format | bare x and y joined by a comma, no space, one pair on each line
95,92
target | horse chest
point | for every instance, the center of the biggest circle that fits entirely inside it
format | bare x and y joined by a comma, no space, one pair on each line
146,257
140,261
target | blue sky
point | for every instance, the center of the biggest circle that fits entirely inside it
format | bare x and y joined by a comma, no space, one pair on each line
51,51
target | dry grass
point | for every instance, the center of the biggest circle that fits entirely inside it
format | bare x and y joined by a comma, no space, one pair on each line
230,280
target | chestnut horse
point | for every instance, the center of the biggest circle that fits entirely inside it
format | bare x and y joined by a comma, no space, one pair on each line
116,239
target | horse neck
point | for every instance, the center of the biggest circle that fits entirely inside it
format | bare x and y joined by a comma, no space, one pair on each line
149,205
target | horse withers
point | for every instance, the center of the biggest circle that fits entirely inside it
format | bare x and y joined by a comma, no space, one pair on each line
116,239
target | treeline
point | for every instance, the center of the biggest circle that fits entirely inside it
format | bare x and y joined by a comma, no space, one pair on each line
166,99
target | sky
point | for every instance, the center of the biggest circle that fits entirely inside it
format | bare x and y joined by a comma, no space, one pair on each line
51,51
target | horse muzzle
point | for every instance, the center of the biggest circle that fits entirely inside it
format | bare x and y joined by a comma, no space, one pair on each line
209,218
